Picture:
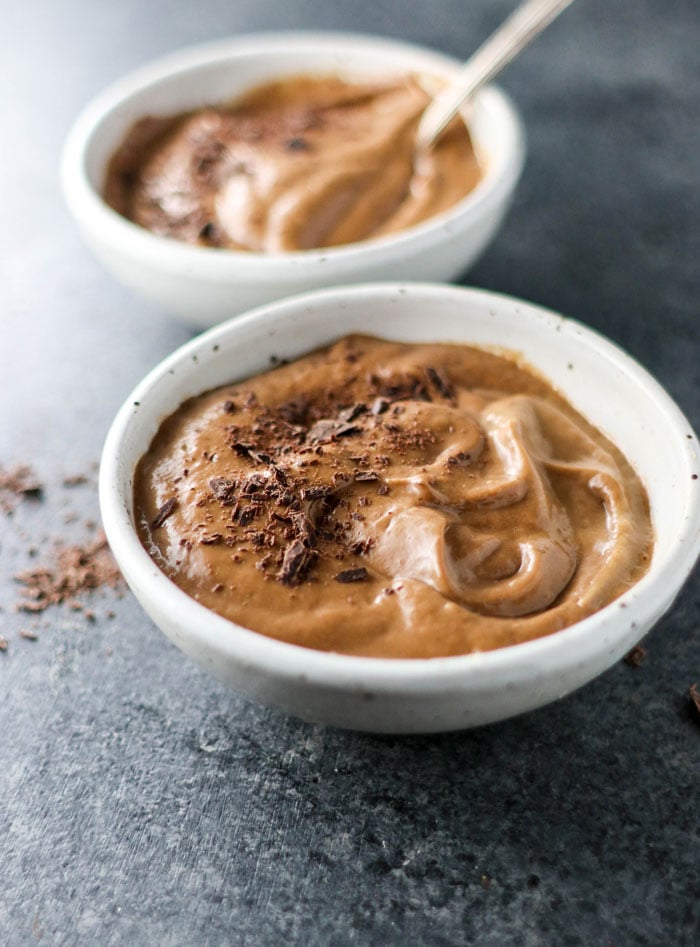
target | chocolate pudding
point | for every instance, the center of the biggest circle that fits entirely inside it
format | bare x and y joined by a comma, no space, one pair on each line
297,164
393,500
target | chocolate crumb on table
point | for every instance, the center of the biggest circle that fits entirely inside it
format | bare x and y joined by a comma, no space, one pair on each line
635,657
16,484
71,572
75,480
694,702
75,571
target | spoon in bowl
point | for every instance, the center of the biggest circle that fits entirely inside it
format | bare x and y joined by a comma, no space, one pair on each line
521,27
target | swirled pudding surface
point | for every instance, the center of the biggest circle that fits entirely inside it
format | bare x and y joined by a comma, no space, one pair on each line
386,499
302,163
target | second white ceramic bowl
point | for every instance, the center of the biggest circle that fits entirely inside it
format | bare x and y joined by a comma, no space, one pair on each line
408,696
206,285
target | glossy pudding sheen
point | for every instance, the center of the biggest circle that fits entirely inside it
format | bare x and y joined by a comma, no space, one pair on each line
302,163
393,500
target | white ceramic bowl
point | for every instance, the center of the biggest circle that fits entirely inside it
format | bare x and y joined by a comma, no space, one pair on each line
407,696
206,285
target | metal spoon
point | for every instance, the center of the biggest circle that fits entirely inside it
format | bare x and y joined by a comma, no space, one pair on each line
521,27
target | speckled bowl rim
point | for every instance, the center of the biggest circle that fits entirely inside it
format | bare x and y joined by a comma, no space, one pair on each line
643,604
87,205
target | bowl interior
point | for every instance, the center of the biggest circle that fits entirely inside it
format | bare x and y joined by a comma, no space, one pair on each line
600,380
219,72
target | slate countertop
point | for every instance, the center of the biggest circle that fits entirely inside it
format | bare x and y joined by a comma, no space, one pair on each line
143,803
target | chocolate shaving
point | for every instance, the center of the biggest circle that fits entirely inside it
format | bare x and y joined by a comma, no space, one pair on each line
462,459
349,414
361,547
326,430
297,144
279,475
253,483
366,476
223,489
295,411
164,512
440,382
352,575
229,407
211,539
304,529
243,450
316,493
246,514
408,388
296,563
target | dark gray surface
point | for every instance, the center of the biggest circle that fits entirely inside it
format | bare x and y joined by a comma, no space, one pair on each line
142,803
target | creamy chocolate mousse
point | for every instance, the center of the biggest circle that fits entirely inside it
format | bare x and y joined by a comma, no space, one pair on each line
385,499
297,164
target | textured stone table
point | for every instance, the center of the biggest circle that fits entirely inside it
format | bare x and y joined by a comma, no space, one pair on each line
140,802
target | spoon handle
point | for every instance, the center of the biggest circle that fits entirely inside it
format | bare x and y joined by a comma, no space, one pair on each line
521,27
